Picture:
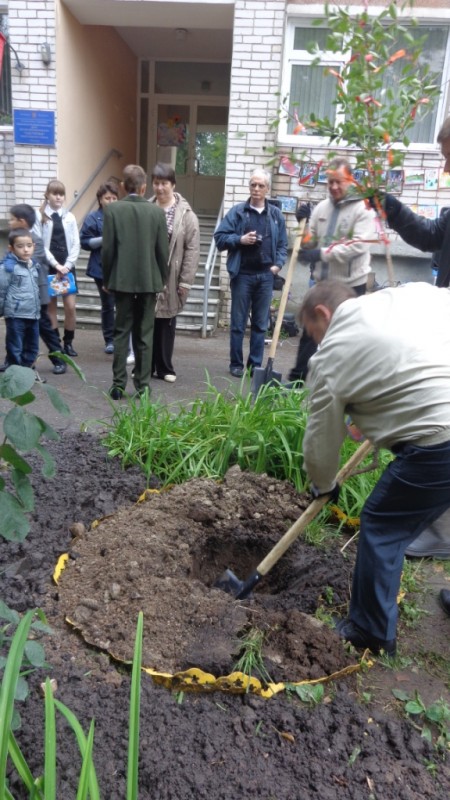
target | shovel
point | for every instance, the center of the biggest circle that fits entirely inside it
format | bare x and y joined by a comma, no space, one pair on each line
230,583
263,375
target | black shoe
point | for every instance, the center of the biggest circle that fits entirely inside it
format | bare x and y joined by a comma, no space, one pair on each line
116,393
360,639
4,366
236,372
444,599
109,348
59,369
69,351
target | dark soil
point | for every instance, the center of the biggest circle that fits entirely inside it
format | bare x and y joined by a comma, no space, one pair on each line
163,556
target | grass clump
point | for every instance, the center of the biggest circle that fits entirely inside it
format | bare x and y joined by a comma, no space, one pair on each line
212,434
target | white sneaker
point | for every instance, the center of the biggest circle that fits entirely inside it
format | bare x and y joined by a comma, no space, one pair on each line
170,378
130,358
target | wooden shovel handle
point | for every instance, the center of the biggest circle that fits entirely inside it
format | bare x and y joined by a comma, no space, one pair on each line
286,287
311,512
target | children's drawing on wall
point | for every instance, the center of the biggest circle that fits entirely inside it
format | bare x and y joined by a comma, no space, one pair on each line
431,181
394,181
414,177
287,167
444,179
308,174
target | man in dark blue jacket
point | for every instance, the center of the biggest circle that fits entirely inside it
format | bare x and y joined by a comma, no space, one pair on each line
254,233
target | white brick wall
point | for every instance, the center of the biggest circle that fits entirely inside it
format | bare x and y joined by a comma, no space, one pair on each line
31,22
255,79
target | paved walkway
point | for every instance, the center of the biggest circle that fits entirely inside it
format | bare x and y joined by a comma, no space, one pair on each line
194,359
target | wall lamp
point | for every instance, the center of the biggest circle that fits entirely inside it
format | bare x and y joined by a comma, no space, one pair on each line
180,34
46,53
18,65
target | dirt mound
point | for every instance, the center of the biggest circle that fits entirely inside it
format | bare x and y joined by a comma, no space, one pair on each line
215,746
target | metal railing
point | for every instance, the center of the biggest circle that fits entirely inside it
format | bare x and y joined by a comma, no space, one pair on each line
209,270
87,185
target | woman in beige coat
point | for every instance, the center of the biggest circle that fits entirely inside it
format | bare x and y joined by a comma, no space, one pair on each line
184,251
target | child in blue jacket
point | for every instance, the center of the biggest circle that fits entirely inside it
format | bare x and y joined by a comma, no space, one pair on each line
19,299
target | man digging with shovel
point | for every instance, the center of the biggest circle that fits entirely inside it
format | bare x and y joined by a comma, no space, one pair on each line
384,359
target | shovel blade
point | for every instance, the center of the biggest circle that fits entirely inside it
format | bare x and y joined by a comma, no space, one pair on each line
230,583
263,376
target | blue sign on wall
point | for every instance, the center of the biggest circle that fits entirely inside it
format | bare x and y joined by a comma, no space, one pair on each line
34,127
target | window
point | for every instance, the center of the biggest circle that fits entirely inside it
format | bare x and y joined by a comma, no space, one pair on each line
309,90
5,79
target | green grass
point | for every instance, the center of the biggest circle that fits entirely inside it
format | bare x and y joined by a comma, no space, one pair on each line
212,434
218,431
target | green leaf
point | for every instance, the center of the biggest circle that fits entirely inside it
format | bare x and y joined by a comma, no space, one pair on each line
35,653
22,690
56,400
12,457
414,707
15,525
134,721
25,399
24,490
50,744
47,431
16,381
48,467
22,429
8,687
400,694
9,614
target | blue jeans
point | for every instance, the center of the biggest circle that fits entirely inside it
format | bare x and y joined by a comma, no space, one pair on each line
412,493
22,341
250,294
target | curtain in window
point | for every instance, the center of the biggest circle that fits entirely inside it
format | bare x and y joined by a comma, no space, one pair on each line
311,92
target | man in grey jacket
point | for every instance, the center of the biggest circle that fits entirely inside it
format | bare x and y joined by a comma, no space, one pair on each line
384,359
337,244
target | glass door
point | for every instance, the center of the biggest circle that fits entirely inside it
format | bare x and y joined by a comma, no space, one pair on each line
193,139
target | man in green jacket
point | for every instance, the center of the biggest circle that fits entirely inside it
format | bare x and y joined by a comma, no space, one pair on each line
134,260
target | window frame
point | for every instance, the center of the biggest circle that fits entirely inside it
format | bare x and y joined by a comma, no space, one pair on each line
335,61
7,126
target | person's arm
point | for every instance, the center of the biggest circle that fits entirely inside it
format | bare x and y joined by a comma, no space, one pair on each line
73,243
228,235
325,432
281,244
355,242
90,234
425,234
108,246
162,249
191,254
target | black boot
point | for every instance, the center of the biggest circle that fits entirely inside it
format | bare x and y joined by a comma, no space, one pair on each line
68,339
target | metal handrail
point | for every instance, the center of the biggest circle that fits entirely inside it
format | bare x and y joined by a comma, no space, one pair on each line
209,270
92,177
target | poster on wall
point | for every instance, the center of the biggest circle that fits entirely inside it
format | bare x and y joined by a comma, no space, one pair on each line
171,134
431,180
425,210
444,179
288,204
287,167
308,174
414,177
394,181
